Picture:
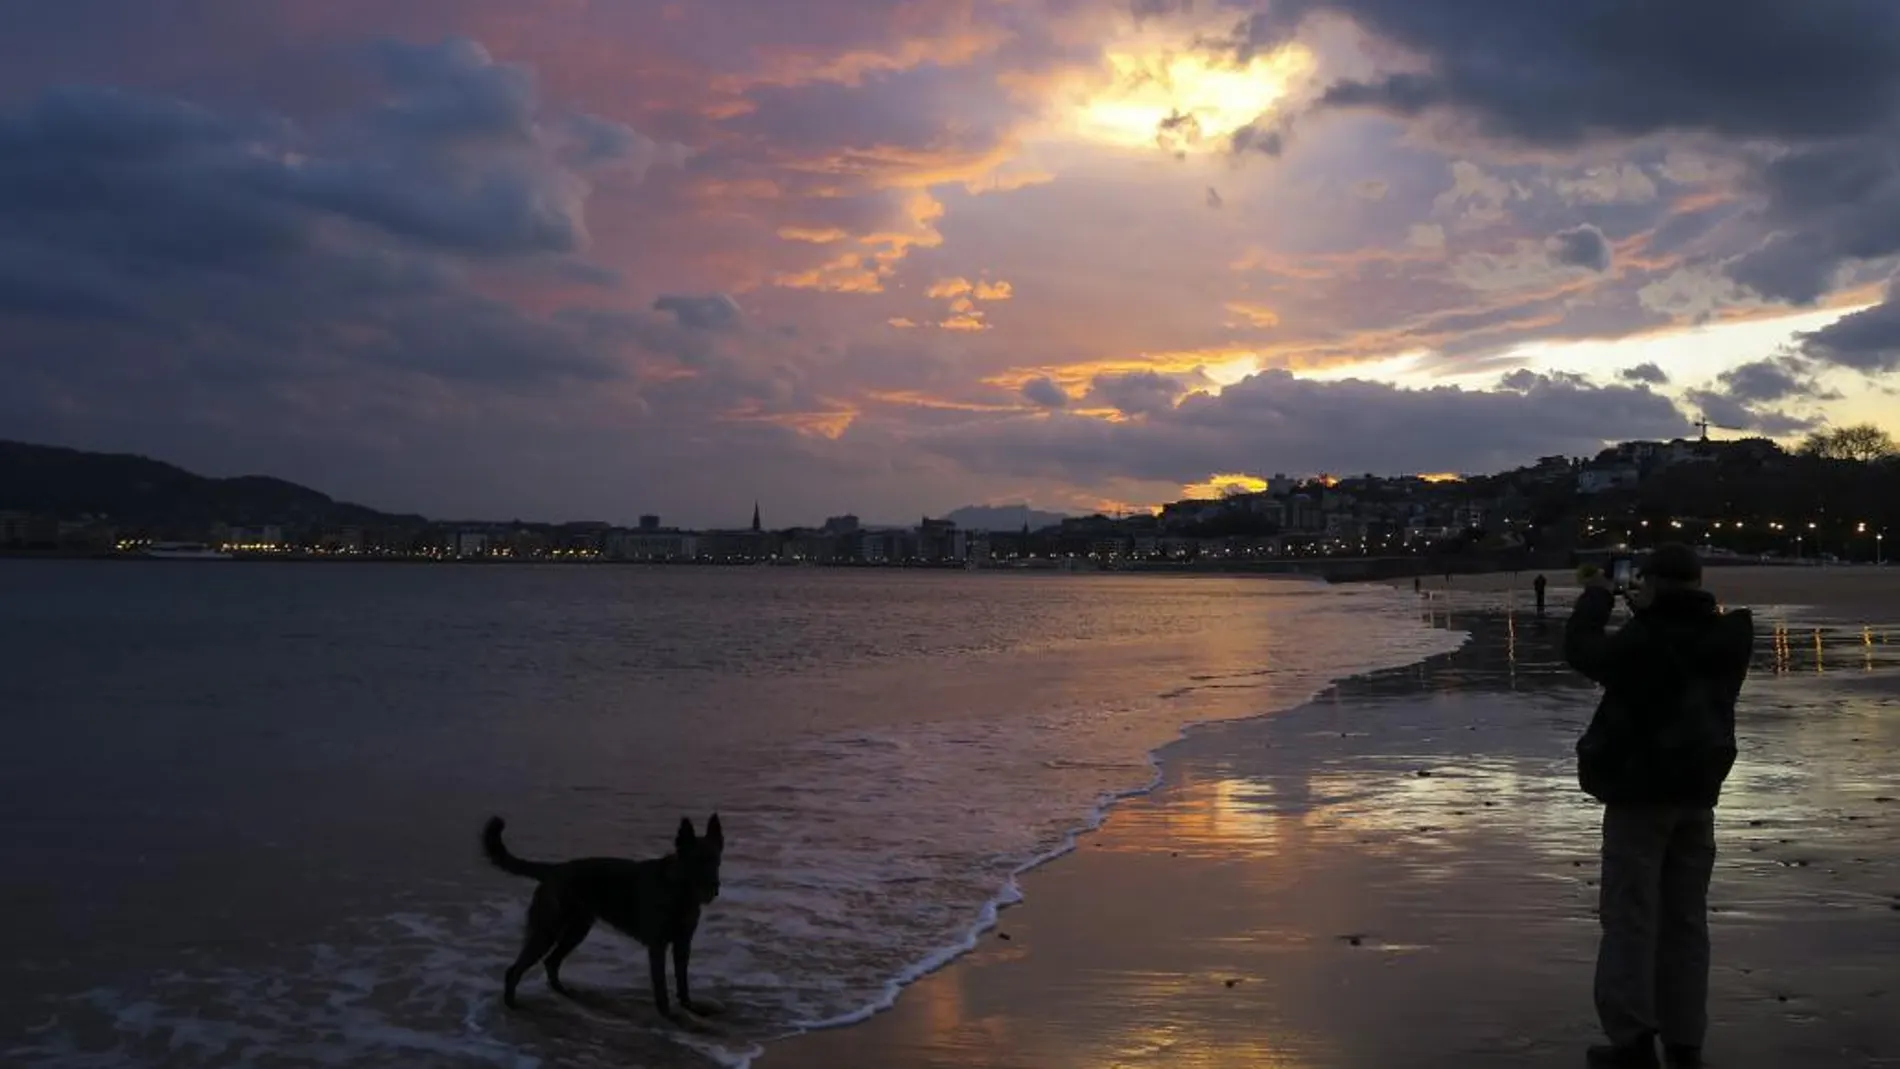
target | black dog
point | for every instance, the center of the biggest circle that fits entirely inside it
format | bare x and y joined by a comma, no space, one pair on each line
655,901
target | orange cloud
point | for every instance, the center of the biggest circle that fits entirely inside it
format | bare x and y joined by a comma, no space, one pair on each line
829,423
845,274
902,323
994,291
923,32
965,321
1075,378
865,271
919,399
813,235
948,287
1256,315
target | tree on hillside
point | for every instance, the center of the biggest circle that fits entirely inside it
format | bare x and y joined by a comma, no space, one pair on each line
1862,441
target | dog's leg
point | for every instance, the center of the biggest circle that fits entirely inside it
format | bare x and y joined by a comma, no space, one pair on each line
682,958
656,966
571,936
543,927
533,948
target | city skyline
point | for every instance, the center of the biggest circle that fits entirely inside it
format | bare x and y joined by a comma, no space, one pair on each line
596,260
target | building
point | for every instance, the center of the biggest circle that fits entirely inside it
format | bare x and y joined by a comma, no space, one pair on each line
267,536
940,540
1598,478
653,544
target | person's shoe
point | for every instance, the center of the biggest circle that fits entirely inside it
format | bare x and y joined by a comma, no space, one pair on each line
1682,1056
1639,1055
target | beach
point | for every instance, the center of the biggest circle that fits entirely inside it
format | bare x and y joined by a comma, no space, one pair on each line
1401,873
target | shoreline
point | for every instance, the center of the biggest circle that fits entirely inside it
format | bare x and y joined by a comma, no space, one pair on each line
991,913
1054,887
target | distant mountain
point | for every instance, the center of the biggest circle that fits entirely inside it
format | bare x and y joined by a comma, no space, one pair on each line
1003,518
131,490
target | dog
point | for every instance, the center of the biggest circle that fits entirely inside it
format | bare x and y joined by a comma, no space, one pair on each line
656,901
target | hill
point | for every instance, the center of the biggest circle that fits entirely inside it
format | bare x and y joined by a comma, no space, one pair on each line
139,491
1003,518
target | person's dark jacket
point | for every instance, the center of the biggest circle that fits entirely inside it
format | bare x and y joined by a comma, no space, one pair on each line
1664,733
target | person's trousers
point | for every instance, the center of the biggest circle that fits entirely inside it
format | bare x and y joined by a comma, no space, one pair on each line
1653,963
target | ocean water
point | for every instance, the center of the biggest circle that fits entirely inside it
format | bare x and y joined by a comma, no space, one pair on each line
240,801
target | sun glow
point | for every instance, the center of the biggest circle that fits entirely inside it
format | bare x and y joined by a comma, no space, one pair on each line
1219,486
1227,372
1183,100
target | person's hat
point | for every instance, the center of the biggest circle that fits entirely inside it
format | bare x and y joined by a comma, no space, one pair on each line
1673,561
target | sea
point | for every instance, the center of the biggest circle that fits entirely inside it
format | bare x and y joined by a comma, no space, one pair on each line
240,802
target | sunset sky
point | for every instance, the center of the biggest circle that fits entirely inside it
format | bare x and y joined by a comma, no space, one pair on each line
584,259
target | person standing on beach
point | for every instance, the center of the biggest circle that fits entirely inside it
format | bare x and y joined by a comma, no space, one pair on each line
1537,588
1656,753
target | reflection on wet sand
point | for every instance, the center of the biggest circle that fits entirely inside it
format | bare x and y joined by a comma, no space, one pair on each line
1403,874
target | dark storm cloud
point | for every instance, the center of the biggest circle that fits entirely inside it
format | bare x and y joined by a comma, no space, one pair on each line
1274,421
1738,68
1581,246
1828,205
224,230
1645,374
1867,340
1801,96
1726,412
1753,396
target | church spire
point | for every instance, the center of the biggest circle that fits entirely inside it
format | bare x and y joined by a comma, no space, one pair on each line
755,516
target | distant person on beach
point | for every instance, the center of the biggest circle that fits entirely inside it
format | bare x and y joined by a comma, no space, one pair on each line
1417,587
1537,588
1655,754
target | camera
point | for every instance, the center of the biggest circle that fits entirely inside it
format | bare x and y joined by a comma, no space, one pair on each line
1622,571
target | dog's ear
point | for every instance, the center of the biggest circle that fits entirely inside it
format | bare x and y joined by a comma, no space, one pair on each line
684,838
715,834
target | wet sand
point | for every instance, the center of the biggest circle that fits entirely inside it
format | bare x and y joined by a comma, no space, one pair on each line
1855,593
1402,874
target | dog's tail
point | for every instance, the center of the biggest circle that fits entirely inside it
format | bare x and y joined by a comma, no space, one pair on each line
498,854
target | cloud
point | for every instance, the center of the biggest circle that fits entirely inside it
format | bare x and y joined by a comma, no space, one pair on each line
1476,199
1581,246
1044,392
268,235
709,312
1140,393
1276,421
1795,104
1266,138
1618,184
1753,396
1753,68
1866,341
1644,374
